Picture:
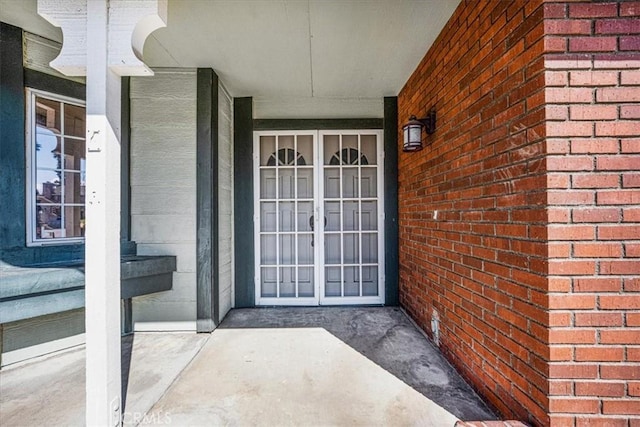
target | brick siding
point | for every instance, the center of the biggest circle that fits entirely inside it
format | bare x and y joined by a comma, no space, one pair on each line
593,143
519,219
473,202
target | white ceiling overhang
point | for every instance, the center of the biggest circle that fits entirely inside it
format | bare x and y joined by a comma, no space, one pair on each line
297,58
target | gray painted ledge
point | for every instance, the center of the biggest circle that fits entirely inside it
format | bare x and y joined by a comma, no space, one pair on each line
29,292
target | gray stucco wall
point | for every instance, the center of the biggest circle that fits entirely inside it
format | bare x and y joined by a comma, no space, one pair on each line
163,191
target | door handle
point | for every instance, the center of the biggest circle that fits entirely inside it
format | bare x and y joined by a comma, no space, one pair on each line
311,221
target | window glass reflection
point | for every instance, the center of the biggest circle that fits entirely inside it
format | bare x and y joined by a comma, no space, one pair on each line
74,154
74,120
59,167
74,221
73,188
48,149
47,114
49,222
48,186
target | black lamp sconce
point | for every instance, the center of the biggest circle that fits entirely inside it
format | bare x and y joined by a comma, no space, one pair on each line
413,130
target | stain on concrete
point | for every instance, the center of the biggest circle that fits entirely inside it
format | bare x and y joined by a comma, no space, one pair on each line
291,376
388,338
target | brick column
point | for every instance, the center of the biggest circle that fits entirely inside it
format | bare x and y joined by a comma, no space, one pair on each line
592,75
472,204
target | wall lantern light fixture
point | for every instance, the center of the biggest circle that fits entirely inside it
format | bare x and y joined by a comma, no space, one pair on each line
413,130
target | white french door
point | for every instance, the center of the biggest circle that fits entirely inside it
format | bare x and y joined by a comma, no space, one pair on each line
319,217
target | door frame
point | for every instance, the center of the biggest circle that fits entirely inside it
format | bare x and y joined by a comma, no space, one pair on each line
318,233
244,124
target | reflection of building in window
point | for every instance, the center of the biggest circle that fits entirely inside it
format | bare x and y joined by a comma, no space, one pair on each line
57,167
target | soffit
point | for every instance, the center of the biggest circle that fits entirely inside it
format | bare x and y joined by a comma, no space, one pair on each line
321,58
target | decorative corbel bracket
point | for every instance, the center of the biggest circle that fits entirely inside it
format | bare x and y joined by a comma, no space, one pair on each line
130,23
71,17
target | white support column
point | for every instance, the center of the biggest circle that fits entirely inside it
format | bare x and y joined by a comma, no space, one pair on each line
102,242
103,39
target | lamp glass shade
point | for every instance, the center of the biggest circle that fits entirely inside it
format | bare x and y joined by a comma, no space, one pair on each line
412,136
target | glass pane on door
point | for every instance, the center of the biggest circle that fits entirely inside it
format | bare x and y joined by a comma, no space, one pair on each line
285,200
351,207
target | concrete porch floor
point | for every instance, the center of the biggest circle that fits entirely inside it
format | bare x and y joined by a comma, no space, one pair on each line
268,366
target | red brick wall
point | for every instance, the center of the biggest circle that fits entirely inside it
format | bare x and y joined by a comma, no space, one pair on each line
520,220
593,141
473,202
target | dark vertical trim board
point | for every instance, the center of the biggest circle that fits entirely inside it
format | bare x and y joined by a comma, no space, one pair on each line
243,201
391,199
12,141
207,255
125,153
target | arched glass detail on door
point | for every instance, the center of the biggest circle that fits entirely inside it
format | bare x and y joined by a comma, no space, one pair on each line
286,157
348,156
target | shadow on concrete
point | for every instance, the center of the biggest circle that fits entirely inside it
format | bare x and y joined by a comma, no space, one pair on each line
387,337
